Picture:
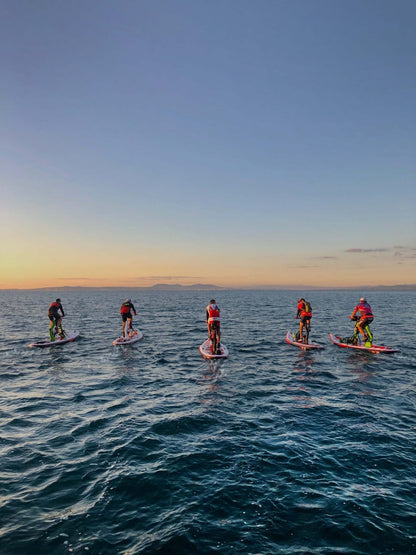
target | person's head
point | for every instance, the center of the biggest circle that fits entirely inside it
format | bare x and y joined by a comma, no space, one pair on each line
302,300
363,300
212,301
128,301
58,300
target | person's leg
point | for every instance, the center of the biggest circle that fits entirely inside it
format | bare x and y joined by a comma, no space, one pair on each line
360,329
59,327
307,329
51,332
301,331
365,325
217,329
210,335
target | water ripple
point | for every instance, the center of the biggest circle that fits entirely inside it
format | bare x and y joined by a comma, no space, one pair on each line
150,449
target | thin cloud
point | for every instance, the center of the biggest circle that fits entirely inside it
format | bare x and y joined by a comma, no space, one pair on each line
305,266
324,257
405,252
366,250
405,256
73,279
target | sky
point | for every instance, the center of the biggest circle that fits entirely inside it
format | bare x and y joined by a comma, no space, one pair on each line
237,143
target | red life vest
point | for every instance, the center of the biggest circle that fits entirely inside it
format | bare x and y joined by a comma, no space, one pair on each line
301,306
213,313
364,309
125,308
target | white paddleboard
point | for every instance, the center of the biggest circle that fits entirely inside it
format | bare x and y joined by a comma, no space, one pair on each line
206,352
69,336
292,341
134,336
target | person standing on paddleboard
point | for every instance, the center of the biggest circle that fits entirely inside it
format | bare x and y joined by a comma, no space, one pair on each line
365,318
213,319
304,312
56,319
126,315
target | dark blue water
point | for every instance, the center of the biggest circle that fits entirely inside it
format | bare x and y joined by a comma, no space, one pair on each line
150,449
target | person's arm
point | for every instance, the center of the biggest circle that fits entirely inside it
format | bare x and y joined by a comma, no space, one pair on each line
134,310
354,312
62,309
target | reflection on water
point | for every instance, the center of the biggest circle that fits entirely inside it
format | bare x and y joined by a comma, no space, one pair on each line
305,362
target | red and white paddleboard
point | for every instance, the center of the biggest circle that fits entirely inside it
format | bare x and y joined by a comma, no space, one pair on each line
290,338
206,351
133,336
337,340
69,336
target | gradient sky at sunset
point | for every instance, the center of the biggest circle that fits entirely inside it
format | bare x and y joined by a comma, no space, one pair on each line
239,143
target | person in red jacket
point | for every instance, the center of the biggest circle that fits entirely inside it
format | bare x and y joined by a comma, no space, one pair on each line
365,317
56,319
126,315
304,312
213,319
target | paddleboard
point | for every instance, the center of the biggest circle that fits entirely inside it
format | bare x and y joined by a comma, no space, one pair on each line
292,341
336,340
205,350
70,336
134,336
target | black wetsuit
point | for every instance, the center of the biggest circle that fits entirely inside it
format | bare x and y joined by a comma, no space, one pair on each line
53,312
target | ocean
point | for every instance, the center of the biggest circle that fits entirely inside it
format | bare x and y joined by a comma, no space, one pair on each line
149,449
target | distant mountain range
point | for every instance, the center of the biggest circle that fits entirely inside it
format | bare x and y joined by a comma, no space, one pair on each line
194,287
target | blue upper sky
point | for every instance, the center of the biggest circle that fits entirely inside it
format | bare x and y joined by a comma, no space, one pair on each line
240,142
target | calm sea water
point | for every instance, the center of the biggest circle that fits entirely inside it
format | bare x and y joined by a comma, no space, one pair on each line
149,449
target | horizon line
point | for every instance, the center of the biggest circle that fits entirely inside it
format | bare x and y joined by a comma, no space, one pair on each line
209,287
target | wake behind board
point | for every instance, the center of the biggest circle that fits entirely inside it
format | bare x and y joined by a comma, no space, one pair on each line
206,352
339,342
70,336
134,336
292,341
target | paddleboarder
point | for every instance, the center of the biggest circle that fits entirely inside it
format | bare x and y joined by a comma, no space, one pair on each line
56,319
365,317
304,312
213,320
126,315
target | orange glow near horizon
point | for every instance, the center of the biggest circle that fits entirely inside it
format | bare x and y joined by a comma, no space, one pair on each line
26,264
37,271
